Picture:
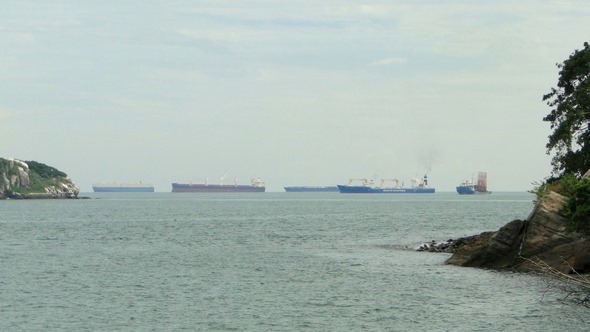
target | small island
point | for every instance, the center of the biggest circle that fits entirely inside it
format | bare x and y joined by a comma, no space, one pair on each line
33,180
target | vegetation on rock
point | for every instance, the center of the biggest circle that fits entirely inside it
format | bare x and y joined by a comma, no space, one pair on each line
33,179
41,176
45,171
570,140
578,208
5,168
563,185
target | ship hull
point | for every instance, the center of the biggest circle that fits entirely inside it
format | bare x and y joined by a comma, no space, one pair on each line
376,190
123,188
469,190
301,189
465,190
214,188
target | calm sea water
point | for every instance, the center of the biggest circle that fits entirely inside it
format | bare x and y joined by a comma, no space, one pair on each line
263,262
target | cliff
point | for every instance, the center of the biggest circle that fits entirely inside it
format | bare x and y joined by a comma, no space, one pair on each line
26,180
520,243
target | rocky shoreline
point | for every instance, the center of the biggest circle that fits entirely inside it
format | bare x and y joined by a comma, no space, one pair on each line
449,246
519,244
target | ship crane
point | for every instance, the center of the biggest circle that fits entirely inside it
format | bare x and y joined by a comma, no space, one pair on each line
364,181
257,182
223,177
396,181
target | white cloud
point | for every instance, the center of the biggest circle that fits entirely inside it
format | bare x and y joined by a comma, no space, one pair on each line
4,113
389,61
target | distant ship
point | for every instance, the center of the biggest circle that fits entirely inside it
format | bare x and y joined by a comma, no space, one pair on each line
122,188
468,187
256,185
368,187
314,189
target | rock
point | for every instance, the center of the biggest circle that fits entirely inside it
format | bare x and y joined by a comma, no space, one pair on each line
489,249
433,246
519,243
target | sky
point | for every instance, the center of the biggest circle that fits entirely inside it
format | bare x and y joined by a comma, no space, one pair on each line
298,92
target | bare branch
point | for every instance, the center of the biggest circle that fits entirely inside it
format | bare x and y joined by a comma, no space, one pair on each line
574,283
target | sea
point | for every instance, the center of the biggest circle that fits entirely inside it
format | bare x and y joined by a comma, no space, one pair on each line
265,262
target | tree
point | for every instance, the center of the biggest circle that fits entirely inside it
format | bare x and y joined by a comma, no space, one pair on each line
570,116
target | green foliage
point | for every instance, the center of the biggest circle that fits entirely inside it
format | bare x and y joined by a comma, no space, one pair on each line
570,139
570,116
5,168
564,185
41,176
37,184
44,171
578,208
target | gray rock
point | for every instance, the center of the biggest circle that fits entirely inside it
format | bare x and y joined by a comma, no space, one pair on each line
519,243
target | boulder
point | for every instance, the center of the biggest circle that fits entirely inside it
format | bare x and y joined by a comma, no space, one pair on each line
519,244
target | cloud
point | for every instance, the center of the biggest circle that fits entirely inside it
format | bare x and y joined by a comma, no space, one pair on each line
389,62
4,113
407,85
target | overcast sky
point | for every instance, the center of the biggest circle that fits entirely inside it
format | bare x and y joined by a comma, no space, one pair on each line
299,92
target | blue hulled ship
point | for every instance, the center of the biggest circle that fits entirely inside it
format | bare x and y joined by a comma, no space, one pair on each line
122,188
314,189
368,187
468,187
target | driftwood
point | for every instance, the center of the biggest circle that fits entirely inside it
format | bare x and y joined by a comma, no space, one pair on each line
574,284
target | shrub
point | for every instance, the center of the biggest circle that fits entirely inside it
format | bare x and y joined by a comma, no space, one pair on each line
578,208
45,171
564,185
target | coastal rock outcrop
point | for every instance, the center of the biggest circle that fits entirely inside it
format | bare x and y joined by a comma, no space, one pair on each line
27,180
521,244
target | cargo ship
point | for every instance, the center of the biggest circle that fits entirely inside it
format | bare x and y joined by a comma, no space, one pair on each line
468,187
122,188
315,189
256,185
368,187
